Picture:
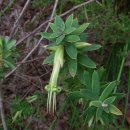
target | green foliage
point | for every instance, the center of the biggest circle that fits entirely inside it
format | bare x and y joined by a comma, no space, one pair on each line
98,99
7,52
21,110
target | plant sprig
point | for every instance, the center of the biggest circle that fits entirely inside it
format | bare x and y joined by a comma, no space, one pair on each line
67,47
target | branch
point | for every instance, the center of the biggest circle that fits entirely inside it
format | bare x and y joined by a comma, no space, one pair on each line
18,19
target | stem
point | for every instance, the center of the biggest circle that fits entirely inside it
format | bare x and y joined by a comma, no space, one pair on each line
122,65
2,110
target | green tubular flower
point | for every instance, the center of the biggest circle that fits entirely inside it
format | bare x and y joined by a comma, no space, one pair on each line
52,87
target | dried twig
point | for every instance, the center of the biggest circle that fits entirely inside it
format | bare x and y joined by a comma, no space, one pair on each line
35,47
18,19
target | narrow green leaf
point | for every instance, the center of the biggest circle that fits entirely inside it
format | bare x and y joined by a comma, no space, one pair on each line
75,23
106,109
109,100
49,59
72,65
95,83
81,45
9,64
69,21
60,39
55,35
108,90
89,113
88,95
93,47
11,44
81,29
95,103
88,80
114,110
72,38
81,75
86,61
46,35
99,114
53,27
69,30
71,51
59,23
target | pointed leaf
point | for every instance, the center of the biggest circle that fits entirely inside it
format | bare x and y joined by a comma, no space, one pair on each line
72,65
89,113
108,90
53,27
75,23
72,38
71,51
55,35
11,44
46,35
99,114
114,110
93,47
88,80
69,21
81,75
81,29
59,23
69,30
9,64
88,95
86,61
109,100
95,83
60,39
81,45
95,103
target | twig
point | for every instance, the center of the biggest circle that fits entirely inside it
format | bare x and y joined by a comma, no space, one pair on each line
35,47
2,109
17,20
44,23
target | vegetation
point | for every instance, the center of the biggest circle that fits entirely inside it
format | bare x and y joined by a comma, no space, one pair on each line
83,64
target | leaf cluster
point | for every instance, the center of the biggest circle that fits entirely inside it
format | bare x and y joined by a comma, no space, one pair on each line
98,99
70,35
